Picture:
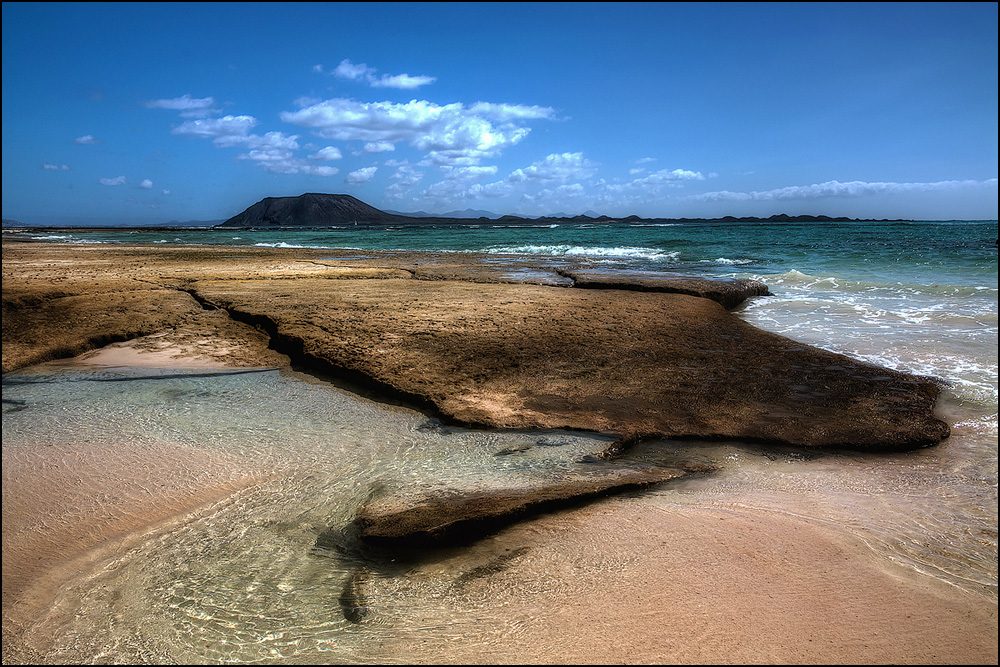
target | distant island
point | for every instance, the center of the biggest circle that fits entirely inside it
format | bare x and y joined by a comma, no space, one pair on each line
319,210
330,210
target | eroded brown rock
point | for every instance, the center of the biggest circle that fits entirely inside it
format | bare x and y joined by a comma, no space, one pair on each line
490,352
527,356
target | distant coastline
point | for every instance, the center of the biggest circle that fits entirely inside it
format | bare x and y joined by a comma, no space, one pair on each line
314,210
502,220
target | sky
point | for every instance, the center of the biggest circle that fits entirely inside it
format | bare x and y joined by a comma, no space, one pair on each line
145,113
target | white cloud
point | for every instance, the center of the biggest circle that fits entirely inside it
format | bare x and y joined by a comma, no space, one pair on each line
55,167
378,147
402,81
473,172
267,141
327,153
566,182
278,159
453,132
553,174
641,189
557,167
226,126
166,192
118,180
490,190
348,70
146,184
547,201
404,178
508,112
456,184
86,139
272,151
187,105
361,175
455,158
559,196
664,176
838,189
320,171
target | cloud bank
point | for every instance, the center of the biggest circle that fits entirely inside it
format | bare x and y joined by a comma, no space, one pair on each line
451,134
837,189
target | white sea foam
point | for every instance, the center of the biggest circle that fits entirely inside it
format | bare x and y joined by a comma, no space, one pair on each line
944,331
78,240
797,280
68,238
282,244
623,252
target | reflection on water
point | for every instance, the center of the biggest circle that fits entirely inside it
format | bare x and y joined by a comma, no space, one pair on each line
252,577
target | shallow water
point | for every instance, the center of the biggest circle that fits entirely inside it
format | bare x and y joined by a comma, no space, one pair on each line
245,580
257,577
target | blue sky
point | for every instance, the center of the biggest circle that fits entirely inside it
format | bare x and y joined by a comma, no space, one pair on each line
151,112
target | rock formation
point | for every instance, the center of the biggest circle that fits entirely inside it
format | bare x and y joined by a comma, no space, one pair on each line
310,210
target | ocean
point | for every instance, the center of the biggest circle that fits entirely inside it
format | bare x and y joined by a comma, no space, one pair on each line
915,296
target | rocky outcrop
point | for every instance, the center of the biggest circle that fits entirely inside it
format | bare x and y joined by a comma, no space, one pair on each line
485,354
730,292
613,361
310,210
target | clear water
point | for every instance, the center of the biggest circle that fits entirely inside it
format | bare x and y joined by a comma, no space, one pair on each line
243,579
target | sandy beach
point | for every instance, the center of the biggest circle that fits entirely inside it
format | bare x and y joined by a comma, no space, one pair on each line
619,581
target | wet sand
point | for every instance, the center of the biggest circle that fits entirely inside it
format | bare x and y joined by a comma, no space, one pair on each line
720,584
620,581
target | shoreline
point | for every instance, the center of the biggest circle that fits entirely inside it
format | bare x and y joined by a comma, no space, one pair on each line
670,586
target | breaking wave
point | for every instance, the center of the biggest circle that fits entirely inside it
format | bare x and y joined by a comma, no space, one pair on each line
620,252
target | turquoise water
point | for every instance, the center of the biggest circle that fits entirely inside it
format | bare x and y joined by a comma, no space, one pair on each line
950,252
242,581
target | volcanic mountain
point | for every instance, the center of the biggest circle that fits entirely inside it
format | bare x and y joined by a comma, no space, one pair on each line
310,210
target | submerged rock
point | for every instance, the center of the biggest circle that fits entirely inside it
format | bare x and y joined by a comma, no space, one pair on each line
352,600
496,565
408,519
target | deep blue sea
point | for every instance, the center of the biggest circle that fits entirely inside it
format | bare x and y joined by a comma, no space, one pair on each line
915,296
